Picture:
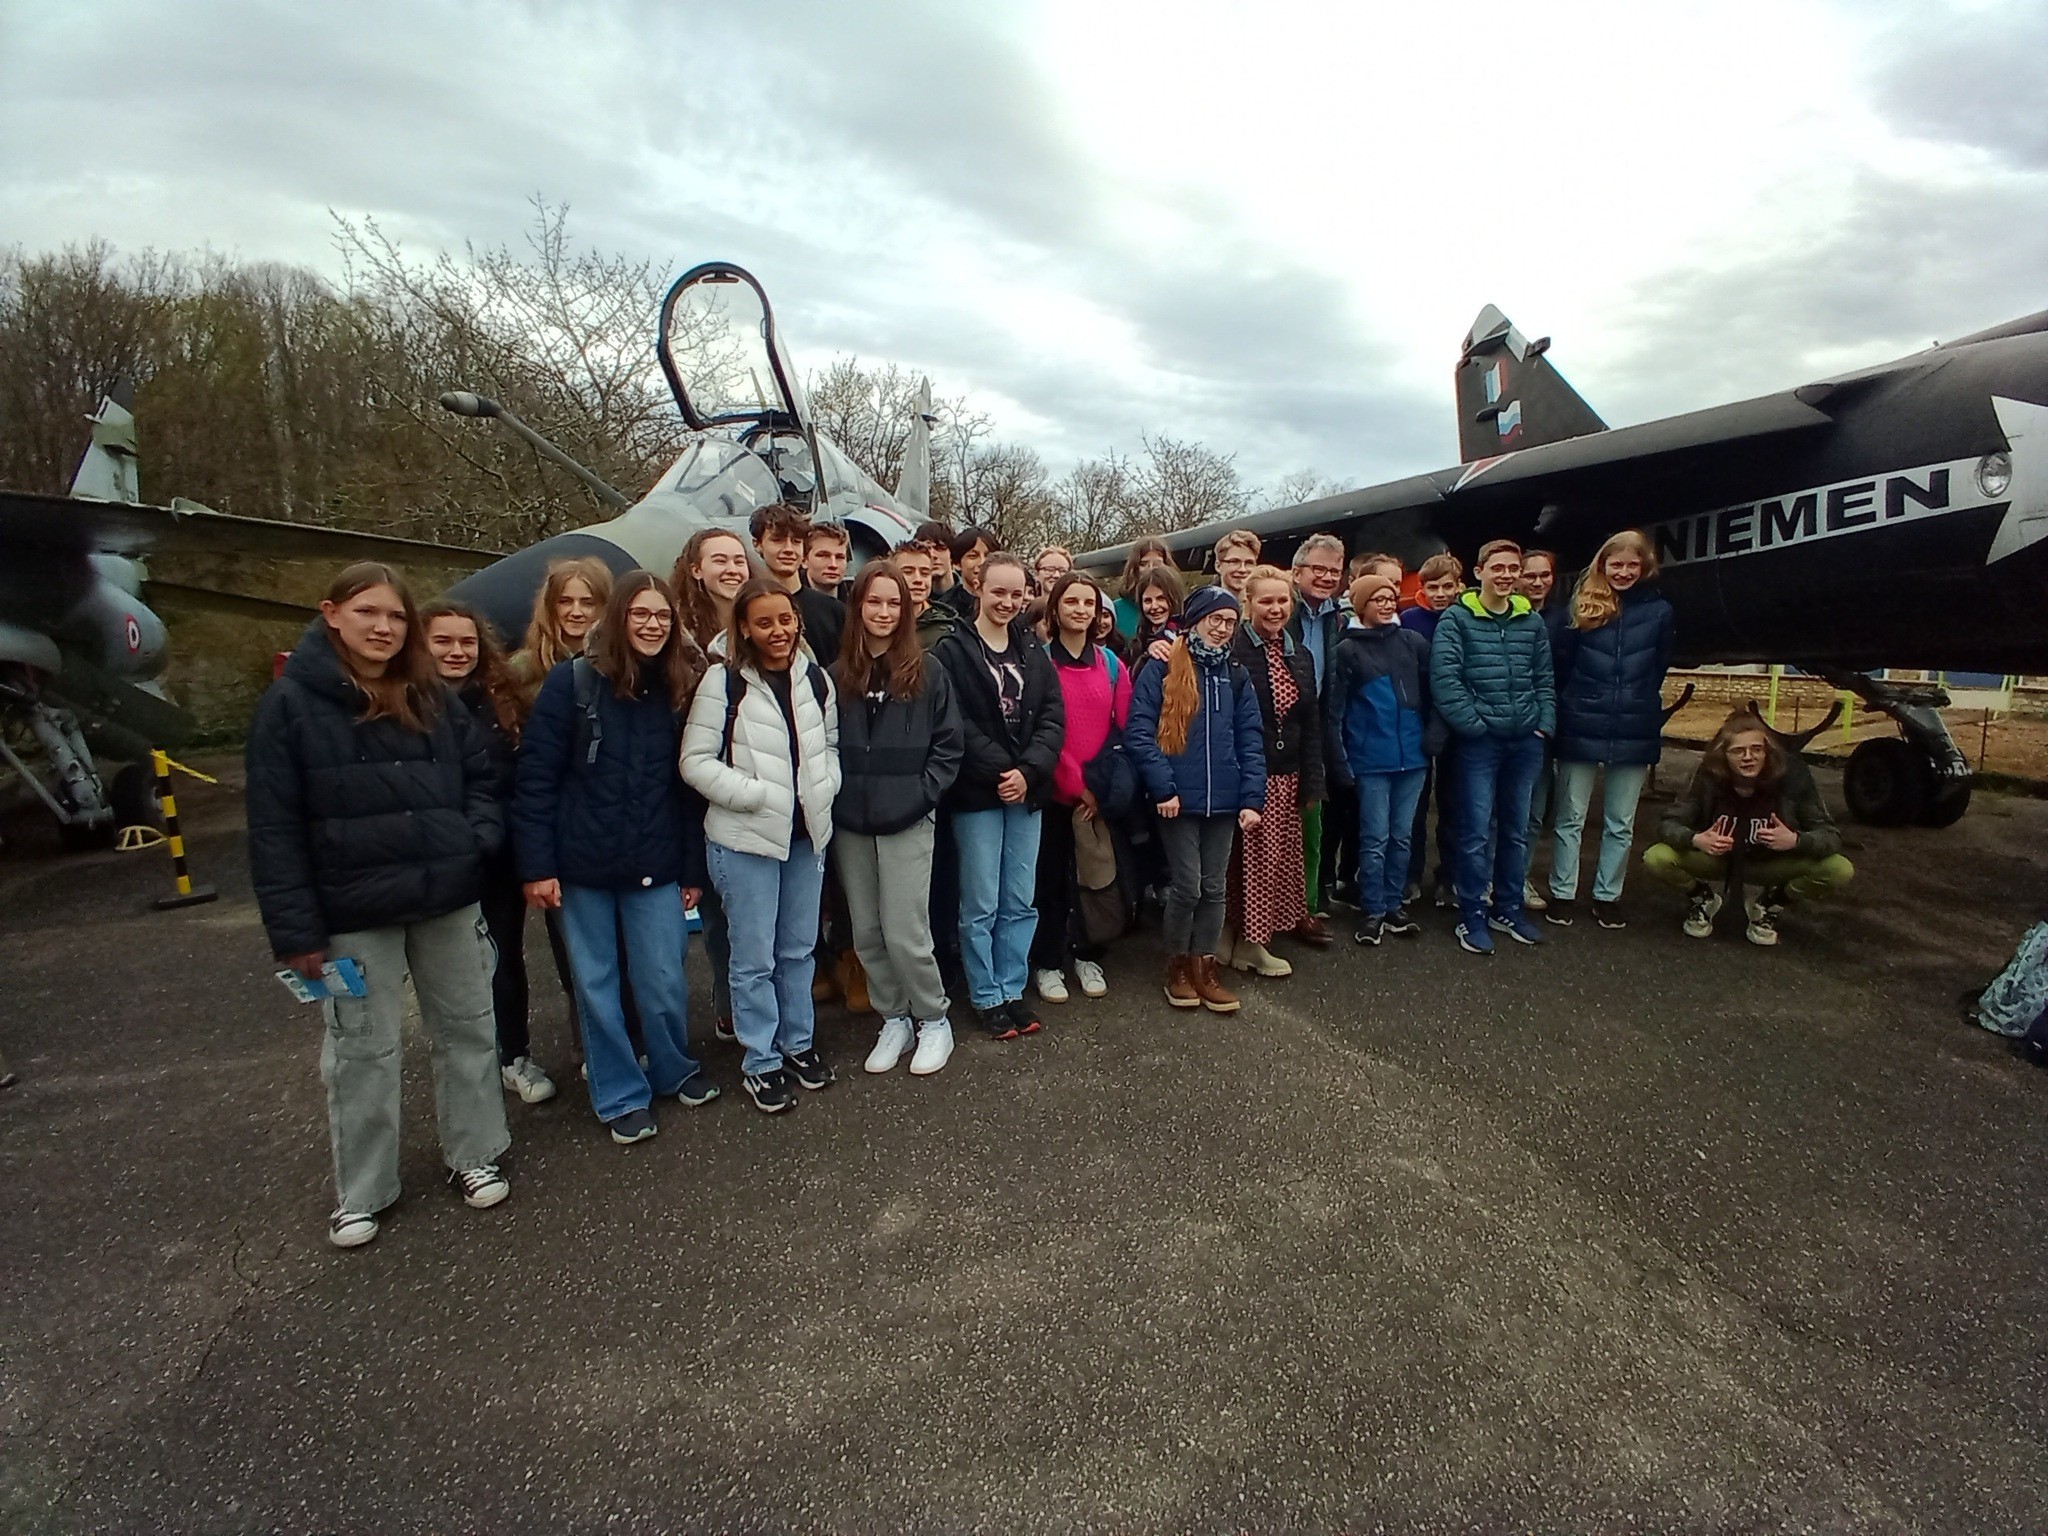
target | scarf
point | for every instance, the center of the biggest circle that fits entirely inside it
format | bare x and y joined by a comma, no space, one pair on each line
1205,654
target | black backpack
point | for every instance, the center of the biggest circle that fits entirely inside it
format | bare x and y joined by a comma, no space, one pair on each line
733,695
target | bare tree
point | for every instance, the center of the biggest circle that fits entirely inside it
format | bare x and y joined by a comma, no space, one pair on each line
1183,485
1296,487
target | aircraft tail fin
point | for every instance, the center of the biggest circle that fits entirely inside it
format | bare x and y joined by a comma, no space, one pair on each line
914,480
110,469
1509,396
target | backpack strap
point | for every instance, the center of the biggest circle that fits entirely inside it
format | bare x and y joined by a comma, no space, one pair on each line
1114,667
589,690
735,691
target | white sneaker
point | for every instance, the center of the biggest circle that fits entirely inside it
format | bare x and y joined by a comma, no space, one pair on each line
1533,900
525,1078
889,1049
1093,982
1052,986
934,1048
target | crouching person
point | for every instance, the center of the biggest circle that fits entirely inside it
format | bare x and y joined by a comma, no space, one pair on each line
608,836
1752,817
371,816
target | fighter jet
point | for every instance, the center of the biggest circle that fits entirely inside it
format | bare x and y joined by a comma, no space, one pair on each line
81,651
754,444
1890,517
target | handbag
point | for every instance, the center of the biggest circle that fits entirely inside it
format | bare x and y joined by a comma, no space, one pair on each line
1111,776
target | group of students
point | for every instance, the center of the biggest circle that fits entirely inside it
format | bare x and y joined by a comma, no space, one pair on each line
954,763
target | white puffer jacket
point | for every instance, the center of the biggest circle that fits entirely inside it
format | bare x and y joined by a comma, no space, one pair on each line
753,798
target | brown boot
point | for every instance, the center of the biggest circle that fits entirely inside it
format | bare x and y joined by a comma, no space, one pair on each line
1311,930
1209,988
853,983
1180,982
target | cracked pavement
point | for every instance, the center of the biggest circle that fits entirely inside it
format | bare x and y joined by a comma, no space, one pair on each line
1630,1233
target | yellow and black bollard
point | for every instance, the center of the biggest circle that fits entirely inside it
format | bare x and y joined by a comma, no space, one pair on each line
188,894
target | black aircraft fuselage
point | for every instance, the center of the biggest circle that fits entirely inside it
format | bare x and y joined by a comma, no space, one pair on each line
1893,517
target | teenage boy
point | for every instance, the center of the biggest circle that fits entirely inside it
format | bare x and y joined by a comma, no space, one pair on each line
1317,624
971,548
1441,577
1438,582
780,532
1490,679
826,547
935,620
936,537
1237,555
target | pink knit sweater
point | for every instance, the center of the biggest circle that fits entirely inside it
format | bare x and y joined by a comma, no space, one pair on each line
1090,709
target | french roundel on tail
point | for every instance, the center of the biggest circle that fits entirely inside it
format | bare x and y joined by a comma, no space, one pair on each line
1509,396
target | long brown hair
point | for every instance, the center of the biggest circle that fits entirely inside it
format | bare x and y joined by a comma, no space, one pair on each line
1714,762
1179,698
1059,589
693,602
902,664
680,661
491,674
1138,552
1594,600
740,650
409,691
1167,580
545,643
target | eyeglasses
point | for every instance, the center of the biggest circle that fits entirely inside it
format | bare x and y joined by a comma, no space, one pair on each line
649,618
1324,570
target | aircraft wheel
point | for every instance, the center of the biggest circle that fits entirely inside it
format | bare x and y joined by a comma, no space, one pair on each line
133,795
80,838
1945,808
1888,783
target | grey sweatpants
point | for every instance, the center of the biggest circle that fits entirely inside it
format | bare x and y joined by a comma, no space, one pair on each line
1198,861
888,884
450,959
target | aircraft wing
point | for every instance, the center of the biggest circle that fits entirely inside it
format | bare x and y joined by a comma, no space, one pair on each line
1630,450
127,528
1397,500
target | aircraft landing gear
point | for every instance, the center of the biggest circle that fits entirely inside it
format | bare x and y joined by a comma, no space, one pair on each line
85,819
1916,778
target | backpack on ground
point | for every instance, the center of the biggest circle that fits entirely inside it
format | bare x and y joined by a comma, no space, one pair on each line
2018,994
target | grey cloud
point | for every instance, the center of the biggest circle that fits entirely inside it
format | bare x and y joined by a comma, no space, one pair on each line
1971,78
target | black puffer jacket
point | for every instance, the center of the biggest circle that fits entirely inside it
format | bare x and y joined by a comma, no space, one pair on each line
1294,744
897,757
992,748
623,822
357,825
503,753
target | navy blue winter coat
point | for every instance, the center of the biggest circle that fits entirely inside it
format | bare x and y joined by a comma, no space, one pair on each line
1376,707
1610,683
358,824
1222,769
620,823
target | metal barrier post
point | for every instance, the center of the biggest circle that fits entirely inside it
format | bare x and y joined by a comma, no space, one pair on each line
188,894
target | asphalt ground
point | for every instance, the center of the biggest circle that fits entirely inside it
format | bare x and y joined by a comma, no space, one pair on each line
1631,1232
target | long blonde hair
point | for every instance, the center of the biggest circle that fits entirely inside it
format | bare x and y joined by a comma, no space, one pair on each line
1179,698
546,645
1594,601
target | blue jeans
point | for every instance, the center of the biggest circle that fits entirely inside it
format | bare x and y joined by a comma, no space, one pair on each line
1494,776
651,917
998,879
771,916
1386,818
1617,826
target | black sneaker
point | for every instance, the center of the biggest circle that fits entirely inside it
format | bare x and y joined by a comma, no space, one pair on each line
1446,896
722,1028
809,1070
1344,892
697,1091
1562,909
634,1125
997,1022
1401,922
770,1091
1024,1016
1369,930
1608,915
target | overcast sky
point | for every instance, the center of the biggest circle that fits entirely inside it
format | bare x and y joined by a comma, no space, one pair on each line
1265,227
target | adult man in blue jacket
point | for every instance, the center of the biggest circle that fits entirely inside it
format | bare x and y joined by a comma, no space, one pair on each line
1490,679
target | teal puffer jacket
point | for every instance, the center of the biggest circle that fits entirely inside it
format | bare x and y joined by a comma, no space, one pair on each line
1489,674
